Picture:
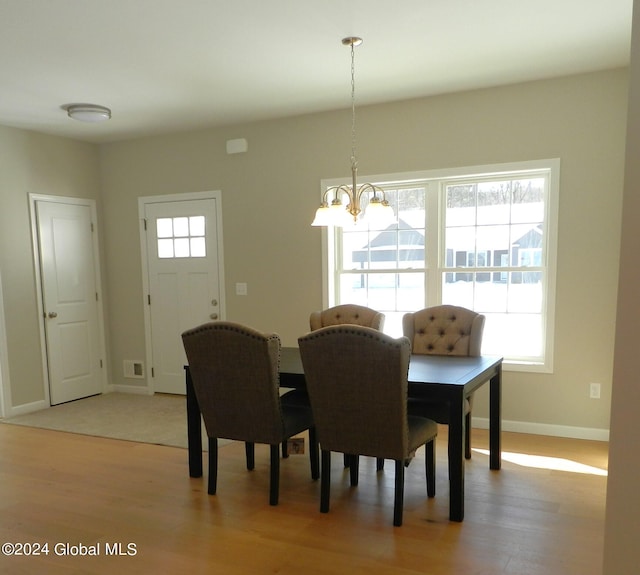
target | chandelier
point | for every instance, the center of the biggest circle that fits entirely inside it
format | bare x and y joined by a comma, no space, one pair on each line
378,213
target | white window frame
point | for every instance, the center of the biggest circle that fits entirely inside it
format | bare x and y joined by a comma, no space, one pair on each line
434,239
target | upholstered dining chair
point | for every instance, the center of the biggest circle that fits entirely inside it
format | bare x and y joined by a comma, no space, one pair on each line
234,369
444,330
349,313
357,382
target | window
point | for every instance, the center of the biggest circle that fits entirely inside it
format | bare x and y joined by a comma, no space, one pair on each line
181,237
483,238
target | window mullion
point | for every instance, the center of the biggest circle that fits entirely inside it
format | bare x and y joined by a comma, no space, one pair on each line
434,243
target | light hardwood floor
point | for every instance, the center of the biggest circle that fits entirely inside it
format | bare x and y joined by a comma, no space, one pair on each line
63,488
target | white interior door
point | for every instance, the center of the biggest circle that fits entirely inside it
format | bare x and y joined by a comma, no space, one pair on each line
70,300
183,247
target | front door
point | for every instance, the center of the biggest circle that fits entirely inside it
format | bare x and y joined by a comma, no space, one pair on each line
70,299
184,259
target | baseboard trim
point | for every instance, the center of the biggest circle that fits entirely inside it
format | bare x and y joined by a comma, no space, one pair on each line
42,404
26,408
136,390
479,422
546,429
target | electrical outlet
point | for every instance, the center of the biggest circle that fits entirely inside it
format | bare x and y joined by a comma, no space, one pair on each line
594,390
295,445
241,288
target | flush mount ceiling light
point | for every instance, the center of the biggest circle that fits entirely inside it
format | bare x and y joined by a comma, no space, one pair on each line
378,213
88,112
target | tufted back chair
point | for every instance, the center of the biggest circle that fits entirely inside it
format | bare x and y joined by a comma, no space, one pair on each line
351,314
444,330
347,313
357,382
234,369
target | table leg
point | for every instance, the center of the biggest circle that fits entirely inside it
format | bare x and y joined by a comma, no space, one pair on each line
495,401
456,457
194,428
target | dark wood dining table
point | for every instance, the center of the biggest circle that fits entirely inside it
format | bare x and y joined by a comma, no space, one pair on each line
447,378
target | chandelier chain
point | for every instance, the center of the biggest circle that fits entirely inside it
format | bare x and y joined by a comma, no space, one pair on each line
354,160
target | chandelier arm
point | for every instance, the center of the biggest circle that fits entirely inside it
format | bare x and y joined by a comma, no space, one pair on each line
325,197
345,189
336,190
371,188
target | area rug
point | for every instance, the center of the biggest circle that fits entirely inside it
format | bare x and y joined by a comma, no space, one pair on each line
159,419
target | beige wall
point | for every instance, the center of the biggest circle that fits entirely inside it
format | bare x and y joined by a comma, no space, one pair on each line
270,193
621,550
32,163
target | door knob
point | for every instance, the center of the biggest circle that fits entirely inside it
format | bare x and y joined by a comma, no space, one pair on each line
214,316
52,314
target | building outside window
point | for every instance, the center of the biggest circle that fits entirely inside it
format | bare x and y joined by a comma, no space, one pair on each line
482,237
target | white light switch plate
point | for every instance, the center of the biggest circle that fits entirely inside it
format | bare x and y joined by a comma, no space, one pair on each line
241,289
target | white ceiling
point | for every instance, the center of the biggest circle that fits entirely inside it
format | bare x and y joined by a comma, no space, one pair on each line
171,65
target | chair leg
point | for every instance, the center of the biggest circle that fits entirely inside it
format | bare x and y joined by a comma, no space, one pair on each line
379,464
354,469
398,502
212,484
274,483
430,467
467,436
250,450
285,449
325,481
314,453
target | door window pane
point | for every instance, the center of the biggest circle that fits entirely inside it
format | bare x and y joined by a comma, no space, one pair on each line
165,248
196,226
198,248
164,227
180,227
181,247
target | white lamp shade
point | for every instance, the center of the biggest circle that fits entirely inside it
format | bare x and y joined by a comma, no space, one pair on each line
339,215
379,215
323,217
